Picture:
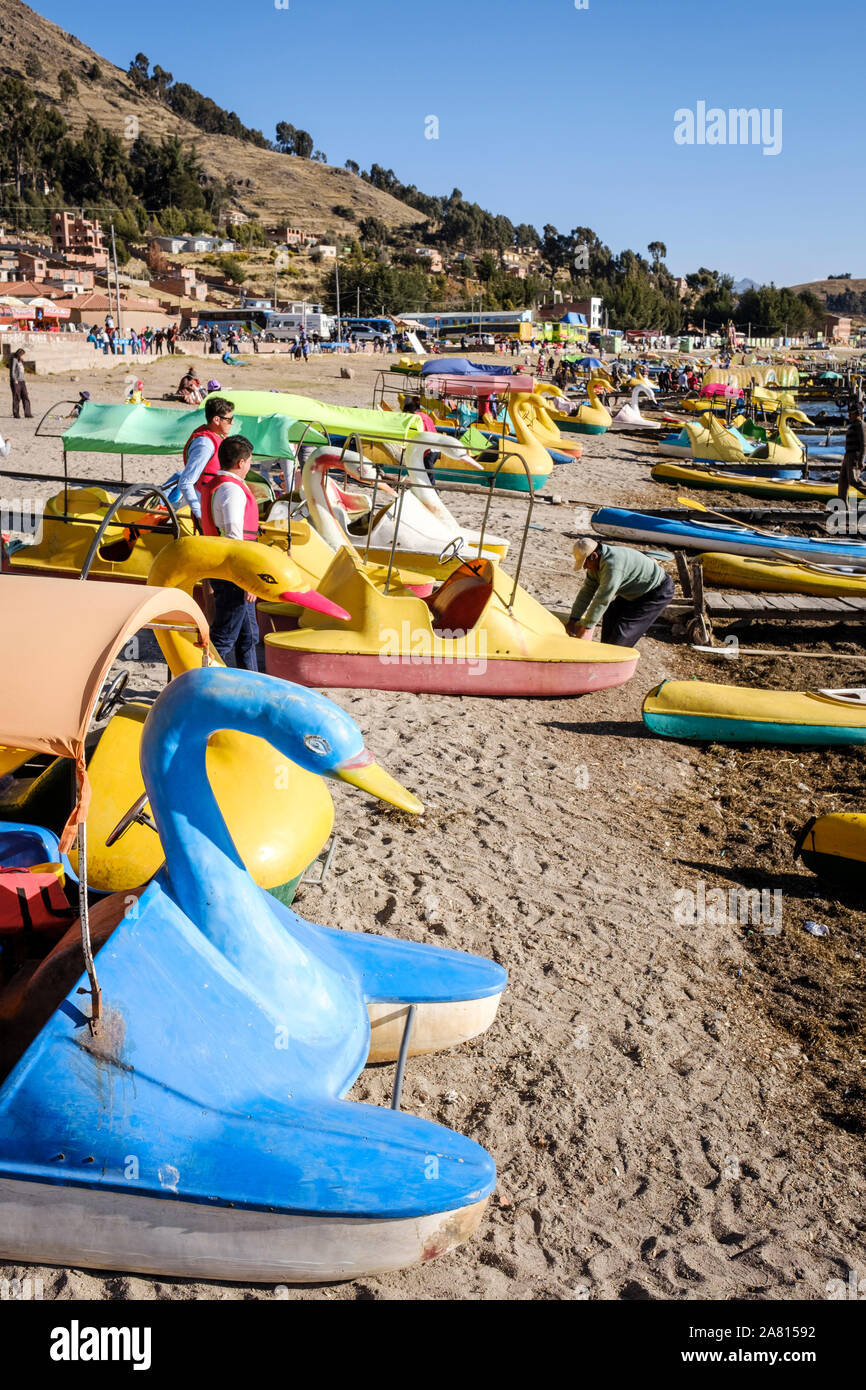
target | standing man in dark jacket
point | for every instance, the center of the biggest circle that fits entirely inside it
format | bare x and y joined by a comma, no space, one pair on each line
19,386
855,452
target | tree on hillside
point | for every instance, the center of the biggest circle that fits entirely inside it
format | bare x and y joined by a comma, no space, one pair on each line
486,267
658,251
285,137
160,81
526,235
374,230
32,66
303,144
139,70
321,156
353,167
66,84
93,72
155,258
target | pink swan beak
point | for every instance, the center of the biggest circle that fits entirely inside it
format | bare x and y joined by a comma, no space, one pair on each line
309,598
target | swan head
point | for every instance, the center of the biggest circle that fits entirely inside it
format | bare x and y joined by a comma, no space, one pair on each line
308,728
445,444
267,571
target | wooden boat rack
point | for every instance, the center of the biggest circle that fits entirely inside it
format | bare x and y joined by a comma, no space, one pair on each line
691,615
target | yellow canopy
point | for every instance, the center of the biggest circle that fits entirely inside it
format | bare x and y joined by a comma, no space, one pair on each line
58,638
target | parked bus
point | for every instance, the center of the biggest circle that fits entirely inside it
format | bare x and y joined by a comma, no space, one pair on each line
250,320
464,323
287,323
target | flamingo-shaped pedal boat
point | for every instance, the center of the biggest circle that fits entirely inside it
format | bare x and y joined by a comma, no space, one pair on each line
422,524
196,1123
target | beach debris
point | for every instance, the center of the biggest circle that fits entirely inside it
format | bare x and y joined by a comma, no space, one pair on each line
816,928
431,908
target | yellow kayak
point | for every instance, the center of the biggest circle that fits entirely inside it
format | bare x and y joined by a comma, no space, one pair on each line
834,846
716,479
779,577
742,714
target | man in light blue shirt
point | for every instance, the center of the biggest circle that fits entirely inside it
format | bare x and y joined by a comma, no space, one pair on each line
200,454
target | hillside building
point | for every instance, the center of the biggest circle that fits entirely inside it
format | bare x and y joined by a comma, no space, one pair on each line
181,281
77,238
295,236
589,309
200,244
837,328
431,256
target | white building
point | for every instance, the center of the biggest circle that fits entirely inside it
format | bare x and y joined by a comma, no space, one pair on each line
194,245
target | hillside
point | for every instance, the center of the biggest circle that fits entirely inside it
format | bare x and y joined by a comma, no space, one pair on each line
277,187
824,287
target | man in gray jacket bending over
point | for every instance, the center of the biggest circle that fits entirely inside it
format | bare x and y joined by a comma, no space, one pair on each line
624,589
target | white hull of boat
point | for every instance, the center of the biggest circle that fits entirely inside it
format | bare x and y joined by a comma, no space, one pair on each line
434,1027
44,1223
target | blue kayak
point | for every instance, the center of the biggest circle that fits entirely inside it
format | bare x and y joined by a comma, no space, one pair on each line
693,533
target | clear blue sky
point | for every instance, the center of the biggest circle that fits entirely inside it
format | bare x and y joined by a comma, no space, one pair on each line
548,113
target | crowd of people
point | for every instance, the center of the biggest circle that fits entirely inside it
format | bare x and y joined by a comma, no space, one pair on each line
105,338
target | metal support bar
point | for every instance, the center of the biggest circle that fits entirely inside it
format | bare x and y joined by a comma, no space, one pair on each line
326,863
401,1058
134,489
95,1019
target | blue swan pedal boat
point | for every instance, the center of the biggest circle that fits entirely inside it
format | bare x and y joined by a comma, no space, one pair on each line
200,1126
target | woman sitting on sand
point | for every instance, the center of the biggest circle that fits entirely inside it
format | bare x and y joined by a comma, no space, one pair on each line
189,389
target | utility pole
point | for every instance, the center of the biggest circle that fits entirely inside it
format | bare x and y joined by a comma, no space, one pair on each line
357,301
339,320
116,283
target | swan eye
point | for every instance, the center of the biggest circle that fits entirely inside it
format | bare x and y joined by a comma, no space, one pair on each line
267,579
316,743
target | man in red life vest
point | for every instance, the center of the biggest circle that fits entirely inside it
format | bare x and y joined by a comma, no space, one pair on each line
228,508
200,456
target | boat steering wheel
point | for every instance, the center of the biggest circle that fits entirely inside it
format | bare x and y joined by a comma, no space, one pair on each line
136,815
113,696
452,551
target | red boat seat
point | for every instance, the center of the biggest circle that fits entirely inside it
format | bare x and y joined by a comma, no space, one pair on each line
459,602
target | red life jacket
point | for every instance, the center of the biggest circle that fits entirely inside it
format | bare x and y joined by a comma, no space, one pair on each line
32,899
213,464
251,506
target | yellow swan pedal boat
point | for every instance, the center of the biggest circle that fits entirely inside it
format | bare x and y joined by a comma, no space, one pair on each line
724,447
715,713
780,577
592,417
479,634
834,847
279,815
527,412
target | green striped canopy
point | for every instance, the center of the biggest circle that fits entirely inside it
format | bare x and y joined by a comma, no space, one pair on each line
336,419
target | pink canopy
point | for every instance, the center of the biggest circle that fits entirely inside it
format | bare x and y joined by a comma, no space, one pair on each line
59,638
482,385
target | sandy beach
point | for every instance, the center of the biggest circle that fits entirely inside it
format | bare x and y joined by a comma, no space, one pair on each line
676,1111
